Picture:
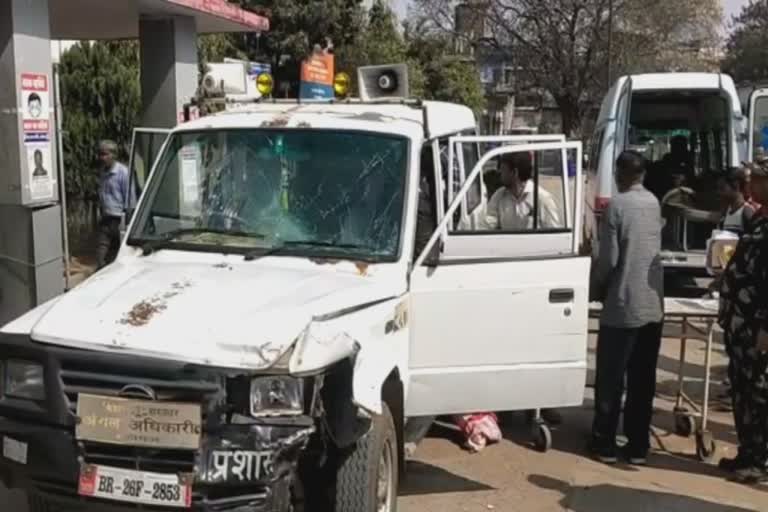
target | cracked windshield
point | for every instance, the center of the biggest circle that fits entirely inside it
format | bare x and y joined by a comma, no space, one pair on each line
318,192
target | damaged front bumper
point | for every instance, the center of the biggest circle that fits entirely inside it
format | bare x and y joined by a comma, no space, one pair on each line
241,463
235,471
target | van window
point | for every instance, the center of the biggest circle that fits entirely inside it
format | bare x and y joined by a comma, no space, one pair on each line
684,138
760,124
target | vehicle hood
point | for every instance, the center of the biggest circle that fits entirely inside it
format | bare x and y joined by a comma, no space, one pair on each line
245,315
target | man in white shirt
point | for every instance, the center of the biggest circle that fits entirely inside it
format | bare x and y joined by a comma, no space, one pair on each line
511,208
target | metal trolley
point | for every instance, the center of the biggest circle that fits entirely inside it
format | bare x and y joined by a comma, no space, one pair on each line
688,312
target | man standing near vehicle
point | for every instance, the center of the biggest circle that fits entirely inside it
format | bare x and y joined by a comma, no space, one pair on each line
511,208
628,279
743,317
113,198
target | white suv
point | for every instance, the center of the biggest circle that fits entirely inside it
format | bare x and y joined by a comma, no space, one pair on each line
296,281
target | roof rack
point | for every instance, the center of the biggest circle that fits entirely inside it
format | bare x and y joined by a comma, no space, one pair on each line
214,104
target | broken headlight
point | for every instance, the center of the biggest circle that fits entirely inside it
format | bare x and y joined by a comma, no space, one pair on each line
23,379
276,396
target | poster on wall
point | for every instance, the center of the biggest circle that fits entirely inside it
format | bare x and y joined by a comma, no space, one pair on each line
36,107
40,171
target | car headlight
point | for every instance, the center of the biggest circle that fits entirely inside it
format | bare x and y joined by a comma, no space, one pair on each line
24,379
276,396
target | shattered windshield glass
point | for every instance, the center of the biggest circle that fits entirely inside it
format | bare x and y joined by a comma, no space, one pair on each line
306,191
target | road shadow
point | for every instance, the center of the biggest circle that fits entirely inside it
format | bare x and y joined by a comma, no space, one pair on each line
717,371
664,420
609,498
573,436
423,479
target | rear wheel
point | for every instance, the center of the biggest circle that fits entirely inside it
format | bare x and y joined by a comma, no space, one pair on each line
366,480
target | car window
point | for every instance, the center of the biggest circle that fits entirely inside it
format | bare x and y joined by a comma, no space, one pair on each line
471,154
529,200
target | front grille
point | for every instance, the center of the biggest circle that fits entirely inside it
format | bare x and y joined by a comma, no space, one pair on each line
76,381
169,381
140,459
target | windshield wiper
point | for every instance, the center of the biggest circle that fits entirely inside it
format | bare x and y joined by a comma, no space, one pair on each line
252,255
167,239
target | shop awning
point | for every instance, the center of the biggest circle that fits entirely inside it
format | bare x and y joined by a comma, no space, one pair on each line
119,19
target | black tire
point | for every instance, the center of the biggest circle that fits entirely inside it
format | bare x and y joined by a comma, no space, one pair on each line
357,477
685,425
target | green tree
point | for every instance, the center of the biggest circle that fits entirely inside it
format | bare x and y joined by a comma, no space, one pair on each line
100,94
433,72
560,47
215,47
380,42
296,27
446,76
747,45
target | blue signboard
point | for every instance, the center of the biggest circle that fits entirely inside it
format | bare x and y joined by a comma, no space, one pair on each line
310,91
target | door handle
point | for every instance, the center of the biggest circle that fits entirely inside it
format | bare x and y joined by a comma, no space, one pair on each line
561,295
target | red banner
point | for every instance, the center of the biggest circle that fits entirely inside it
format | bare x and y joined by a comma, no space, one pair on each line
224,9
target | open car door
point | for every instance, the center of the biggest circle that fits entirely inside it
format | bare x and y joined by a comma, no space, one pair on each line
758,123
499,318
146,144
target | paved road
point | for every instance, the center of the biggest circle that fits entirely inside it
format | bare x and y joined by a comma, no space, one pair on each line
511,477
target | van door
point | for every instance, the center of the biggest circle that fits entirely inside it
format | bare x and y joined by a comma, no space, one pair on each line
758,122
623,111
499,321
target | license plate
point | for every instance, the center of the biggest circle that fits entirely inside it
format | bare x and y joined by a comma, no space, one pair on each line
138,487
144,423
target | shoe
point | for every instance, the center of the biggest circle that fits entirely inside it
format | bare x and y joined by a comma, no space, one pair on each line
552,416
736,463
633,456
751,475
602,452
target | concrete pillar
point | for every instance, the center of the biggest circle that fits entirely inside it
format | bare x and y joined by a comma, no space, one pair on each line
31,254
169,69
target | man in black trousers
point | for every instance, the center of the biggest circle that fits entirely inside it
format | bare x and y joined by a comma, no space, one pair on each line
628,278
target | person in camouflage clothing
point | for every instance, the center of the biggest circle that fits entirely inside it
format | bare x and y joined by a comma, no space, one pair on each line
744,319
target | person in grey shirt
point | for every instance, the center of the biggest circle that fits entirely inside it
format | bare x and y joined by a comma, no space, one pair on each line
628,278
113,199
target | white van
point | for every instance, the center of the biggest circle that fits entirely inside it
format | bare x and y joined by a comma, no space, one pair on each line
698,113
755,104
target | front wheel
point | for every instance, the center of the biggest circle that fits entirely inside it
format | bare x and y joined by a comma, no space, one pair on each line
367,477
